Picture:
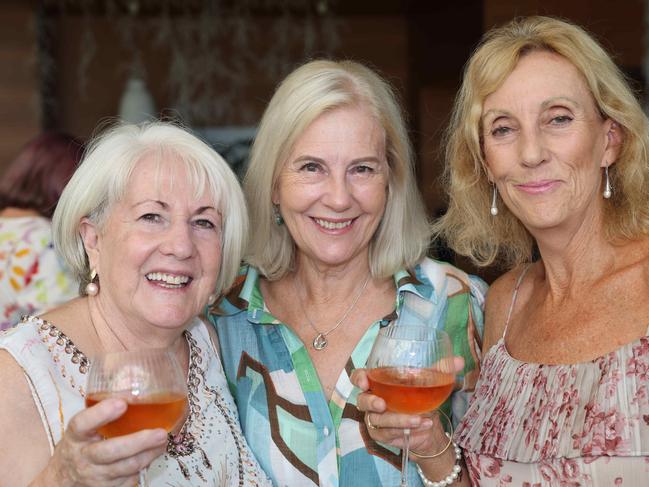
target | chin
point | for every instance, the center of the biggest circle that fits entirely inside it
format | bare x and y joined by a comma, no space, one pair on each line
171,320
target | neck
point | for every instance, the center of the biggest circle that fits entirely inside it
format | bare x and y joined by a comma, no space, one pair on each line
12,212
117,334
325,284
574,258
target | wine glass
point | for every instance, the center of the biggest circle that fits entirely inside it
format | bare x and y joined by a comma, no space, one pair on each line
152,384
411,367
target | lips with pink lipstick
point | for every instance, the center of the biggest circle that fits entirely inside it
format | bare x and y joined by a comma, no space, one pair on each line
538,187
169,280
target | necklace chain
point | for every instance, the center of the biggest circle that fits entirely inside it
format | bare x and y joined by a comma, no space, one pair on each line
320,340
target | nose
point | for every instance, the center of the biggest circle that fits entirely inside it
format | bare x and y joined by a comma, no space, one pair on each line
532,148
338,195
177,241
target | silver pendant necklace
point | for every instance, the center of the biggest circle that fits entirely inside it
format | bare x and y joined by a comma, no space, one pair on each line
320,341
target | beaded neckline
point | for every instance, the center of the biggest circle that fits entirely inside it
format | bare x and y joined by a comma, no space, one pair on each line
78,357
183,443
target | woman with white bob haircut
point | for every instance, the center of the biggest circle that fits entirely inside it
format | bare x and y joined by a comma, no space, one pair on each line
154,224
340,236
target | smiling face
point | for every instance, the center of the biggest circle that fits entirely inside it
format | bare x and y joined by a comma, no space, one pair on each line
159,252
332,189
545,143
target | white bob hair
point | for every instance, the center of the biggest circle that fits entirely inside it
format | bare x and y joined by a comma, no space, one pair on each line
104,173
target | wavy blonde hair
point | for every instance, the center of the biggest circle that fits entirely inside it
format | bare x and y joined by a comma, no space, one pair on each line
467,226
403,234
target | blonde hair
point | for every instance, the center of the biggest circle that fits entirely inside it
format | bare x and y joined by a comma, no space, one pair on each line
104,173
467,226
308,92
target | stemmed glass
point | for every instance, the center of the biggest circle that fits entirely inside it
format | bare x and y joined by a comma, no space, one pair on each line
152,384
411,367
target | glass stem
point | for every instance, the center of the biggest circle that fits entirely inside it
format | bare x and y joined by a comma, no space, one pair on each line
404,457
142,481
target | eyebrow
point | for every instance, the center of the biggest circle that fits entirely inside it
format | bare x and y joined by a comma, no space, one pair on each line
203,209
556,99
353,161
158,202
547,103
164,205
494,111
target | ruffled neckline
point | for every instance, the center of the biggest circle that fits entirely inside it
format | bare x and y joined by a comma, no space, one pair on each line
528,412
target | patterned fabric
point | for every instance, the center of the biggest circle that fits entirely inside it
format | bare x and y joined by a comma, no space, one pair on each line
210,449
299,437
585,424
32,278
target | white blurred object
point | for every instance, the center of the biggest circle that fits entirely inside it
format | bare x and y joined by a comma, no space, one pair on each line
136,104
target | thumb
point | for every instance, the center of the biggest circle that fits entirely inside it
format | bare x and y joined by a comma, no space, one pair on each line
359,379
85,423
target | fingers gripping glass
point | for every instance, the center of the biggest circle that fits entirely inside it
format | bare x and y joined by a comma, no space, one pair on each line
152,384
411,368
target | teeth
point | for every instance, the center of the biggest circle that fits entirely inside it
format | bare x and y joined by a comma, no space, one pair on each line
331,225
167,279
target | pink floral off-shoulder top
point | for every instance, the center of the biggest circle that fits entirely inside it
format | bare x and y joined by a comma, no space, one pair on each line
537,425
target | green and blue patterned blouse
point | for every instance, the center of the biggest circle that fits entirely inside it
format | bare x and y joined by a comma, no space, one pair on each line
299,437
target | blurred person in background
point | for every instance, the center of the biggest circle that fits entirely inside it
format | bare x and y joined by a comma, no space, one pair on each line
32,278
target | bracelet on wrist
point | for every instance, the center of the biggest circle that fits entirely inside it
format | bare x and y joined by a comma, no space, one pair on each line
451,477
433,455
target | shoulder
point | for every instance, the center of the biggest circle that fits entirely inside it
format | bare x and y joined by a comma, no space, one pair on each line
20,421
13,382
22,334
236,298
35,231
201,329
442,275
26,238
497,304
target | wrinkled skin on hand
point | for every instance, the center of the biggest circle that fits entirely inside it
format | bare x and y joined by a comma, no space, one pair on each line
426,431
83,458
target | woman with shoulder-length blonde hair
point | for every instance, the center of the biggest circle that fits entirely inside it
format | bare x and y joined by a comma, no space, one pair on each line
339,238
548,174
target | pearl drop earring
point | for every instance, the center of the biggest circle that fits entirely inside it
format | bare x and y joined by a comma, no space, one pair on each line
92,289
494,208
608,191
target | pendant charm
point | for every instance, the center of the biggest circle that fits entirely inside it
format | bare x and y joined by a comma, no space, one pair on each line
320,342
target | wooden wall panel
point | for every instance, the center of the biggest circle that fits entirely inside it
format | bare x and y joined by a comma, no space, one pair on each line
19,94
617,25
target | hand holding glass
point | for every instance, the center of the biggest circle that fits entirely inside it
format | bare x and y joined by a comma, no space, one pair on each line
150,381
411,368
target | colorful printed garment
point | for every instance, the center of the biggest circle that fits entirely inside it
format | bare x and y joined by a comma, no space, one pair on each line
32,277
299,437
536,425
210,449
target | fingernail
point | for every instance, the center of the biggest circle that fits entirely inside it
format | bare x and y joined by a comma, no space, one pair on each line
120,405
415,422
427,423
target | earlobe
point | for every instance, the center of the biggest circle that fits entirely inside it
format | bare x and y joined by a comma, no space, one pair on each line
490,176
90,238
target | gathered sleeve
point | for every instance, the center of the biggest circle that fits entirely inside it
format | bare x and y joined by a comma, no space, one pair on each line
463,298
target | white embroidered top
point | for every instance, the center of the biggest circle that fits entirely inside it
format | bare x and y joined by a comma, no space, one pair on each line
210,449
